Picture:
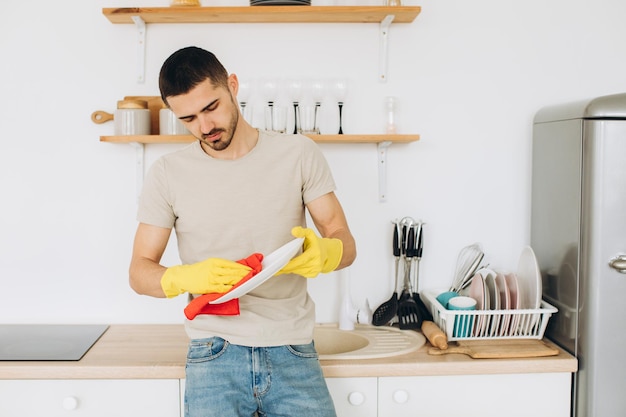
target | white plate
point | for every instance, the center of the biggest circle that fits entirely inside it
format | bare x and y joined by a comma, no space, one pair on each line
505,295
513,286
477,292
529,279
505,302
492,289
491,321
272,263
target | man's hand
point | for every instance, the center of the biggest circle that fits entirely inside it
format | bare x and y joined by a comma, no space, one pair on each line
321,255
213,275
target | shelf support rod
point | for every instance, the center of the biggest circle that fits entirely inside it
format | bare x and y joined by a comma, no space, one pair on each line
141,48
383,55
382,170
139,165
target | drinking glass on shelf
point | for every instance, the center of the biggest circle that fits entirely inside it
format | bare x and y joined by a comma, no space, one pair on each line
294,87
268,90
307,117
276,117
316,89
340,89
390,108
243,96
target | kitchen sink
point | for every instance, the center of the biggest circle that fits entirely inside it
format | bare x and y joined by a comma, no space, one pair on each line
364,342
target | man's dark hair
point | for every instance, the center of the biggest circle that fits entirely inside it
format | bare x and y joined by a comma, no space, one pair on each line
188,67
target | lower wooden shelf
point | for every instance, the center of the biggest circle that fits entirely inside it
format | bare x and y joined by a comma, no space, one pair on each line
316,138
382,142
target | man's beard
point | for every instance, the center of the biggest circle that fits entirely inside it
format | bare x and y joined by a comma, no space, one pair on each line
228,133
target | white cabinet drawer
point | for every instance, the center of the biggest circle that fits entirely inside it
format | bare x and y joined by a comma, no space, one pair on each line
519,395
354,397
90,398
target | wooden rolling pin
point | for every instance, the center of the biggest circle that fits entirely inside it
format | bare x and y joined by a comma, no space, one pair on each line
434,335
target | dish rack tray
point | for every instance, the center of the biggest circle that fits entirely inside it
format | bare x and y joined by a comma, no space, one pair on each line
489,324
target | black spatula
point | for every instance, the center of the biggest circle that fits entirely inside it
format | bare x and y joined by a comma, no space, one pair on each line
423,310
388,310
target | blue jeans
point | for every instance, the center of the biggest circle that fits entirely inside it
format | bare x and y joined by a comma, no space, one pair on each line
225,380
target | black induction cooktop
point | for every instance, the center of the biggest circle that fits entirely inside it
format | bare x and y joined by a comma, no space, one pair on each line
47,342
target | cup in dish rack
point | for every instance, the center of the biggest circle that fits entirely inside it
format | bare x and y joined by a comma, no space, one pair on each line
445,297
462,322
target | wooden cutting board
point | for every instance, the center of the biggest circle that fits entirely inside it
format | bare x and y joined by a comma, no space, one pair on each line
498,349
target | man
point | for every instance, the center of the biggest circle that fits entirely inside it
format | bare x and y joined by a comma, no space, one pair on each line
235,192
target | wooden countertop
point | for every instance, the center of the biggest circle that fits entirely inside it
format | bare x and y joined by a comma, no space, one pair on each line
158,351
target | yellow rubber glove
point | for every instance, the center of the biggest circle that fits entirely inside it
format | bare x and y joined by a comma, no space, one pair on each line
320,255
213,275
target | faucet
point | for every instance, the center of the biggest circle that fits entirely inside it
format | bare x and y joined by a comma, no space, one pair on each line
349,314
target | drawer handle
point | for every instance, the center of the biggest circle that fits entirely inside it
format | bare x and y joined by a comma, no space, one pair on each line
619,263
356,398
401,396
70,403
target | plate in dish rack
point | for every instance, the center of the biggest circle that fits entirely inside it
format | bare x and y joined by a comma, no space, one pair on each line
505,302
477,292
529,280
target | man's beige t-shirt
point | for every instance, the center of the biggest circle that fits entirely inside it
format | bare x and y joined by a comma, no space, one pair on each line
233,208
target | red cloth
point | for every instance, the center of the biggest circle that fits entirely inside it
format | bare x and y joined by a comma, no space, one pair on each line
201,304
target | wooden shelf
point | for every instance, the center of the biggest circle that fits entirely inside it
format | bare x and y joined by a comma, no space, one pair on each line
155,104
384,16
316,138
263,14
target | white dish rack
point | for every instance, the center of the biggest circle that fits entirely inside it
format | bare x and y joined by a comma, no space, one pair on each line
489,324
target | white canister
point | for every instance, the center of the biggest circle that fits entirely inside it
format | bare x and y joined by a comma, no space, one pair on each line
132,117
169,124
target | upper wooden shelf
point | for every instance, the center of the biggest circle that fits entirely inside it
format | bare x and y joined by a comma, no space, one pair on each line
264,14
316,138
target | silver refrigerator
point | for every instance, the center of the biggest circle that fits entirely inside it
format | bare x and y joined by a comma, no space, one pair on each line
578,233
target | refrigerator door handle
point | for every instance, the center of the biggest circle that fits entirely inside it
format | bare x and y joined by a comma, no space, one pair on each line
618,263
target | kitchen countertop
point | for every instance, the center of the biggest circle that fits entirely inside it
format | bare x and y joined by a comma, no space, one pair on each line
155,351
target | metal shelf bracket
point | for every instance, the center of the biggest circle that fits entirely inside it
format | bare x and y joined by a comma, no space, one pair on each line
382,170
383,55
141,48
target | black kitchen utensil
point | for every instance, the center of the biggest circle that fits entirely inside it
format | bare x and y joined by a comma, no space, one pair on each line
406,227
424,313
388,310
408,312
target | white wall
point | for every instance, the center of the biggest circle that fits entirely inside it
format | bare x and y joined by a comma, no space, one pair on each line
468,75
